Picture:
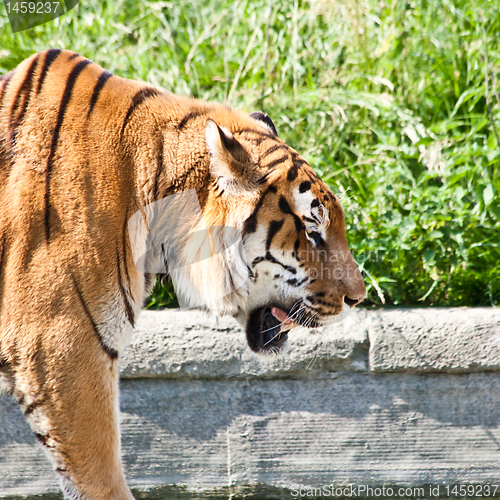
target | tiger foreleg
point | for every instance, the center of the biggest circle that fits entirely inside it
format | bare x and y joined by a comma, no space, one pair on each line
70,398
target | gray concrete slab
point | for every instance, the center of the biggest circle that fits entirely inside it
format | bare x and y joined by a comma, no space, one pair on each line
350,429
200,413
180,344
456,340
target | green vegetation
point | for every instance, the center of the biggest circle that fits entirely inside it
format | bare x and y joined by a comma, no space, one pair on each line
393,103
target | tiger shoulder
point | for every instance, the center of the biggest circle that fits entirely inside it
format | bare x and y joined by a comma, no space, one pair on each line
104,184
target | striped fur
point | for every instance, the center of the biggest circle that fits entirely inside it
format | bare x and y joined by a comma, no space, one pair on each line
21,101
83,150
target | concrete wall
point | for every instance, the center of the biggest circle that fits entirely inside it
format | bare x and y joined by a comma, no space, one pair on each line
394,398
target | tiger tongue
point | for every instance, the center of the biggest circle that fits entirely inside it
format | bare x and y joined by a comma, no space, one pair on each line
280,315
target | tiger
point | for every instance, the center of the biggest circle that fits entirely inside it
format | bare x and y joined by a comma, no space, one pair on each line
81,151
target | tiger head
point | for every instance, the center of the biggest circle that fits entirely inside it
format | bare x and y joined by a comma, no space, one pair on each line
297,261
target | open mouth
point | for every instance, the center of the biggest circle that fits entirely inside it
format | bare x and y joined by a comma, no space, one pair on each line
267,329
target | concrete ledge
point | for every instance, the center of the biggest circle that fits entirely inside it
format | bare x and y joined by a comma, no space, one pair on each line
190,344
458,340
202,417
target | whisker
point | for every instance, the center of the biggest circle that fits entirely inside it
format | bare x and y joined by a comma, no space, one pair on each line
311,319
295,317
311,364
283,322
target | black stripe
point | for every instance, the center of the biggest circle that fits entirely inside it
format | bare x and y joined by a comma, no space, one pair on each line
159,169
50,57
274,227
270,258
112,353
250,273
256,140
23,88
2,252
128,307
304,186
137,100
298,162
189,116
257,260
250,225
277,161
74,56
318,239
32,407
312,176
316,218
262,136
42,439
272,149
302,281
264,178
296,246
297,157
105,75
25,91
285,208
292,173
267,135
68,90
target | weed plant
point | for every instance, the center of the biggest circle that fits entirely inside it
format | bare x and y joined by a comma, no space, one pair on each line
394,103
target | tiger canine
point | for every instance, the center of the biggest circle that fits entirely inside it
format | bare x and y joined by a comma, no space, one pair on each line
81,151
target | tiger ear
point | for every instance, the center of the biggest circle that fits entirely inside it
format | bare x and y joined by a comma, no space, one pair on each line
262,117
229,162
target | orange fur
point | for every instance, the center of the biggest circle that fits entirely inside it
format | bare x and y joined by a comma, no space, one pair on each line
80,152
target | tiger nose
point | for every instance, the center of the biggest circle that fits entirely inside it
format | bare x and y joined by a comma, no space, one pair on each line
353,302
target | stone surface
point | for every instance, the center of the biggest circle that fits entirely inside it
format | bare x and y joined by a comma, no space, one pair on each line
201,412
435,340
180,344
352,429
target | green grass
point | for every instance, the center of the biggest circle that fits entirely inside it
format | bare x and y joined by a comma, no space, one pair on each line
395,104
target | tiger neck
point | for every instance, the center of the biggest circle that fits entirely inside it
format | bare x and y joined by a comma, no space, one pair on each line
169,161
171,158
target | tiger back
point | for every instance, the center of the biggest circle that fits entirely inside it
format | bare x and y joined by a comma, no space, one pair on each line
81,152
